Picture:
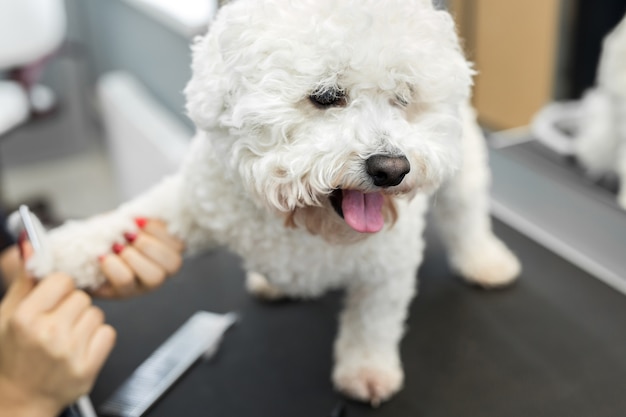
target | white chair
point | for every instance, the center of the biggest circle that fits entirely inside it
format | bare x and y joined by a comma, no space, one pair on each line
30,30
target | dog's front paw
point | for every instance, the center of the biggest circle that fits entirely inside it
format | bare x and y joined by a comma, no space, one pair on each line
368,381
260,287
74,248
489,265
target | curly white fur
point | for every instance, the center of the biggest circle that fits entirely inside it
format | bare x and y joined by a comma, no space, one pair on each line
601,141
266,161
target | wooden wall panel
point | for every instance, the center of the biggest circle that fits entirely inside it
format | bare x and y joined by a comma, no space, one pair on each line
514,46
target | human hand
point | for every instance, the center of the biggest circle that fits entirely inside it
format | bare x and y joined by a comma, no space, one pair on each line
53,343
150,257
10,264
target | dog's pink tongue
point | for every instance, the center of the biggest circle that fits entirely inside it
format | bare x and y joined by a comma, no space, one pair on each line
363,212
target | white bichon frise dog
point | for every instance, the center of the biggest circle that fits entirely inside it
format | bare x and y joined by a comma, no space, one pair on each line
597,122
323,128
600,143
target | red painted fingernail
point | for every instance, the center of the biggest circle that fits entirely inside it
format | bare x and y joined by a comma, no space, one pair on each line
130,237
141,222
117,248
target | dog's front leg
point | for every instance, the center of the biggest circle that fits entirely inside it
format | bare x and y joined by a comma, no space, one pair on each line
76,245
461,208
367,360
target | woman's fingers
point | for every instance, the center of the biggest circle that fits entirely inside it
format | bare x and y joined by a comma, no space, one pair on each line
48,293
121,279
99,347
158,230
151,255
19,289
129,272
158,252
72,308
86,326
149,274
94,339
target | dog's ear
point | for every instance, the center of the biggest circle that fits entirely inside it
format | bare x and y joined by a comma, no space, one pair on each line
205,92
211,82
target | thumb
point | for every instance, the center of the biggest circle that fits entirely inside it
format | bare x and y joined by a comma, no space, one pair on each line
22,284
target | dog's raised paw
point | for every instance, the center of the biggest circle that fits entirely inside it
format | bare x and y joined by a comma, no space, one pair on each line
369,383
490,265
260,287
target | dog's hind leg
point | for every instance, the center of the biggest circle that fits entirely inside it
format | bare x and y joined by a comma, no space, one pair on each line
258,285
367,360
461,209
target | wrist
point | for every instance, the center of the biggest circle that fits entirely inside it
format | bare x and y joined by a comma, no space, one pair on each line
15,403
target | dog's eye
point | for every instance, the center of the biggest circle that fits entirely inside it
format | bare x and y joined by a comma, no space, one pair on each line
328,98
401,101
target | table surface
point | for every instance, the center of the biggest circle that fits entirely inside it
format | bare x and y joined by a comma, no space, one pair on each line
552,345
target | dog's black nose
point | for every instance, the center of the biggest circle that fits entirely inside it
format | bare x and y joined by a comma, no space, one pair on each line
387,171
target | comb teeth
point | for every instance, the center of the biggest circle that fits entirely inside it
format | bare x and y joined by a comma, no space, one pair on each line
199,334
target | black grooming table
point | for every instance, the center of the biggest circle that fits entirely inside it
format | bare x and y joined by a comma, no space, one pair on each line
553,345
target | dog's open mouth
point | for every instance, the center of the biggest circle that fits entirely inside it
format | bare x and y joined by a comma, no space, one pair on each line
362,211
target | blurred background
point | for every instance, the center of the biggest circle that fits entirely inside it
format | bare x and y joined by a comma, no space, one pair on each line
92,110
529,53
114,71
